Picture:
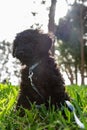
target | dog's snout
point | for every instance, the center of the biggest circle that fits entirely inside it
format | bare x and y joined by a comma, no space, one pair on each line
19,54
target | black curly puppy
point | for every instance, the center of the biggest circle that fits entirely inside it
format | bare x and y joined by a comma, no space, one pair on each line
41,80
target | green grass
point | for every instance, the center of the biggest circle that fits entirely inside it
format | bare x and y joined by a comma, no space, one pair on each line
41,119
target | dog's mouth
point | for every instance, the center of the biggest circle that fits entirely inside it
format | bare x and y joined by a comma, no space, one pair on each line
24,60
21,55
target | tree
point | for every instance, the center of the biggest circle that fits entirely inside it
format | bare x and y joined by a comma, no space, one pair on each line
8,66
65,60
71,31
4,56
51,23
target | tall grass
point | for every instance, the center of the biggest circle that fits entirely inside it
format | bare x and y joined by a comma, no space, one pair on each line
41,119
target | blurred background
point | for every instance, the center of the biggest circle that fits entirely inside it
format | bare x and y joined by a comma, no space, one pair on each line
65,19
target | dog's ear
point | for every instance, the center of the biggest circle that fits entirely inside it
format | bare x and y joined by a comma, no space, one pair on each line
45,43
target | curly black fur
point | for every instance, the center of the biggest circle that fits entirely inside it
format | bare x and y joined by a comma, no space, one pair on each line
31,47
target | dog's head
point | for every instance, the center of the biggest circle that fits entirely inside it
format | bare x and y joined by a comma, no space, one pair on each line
30,44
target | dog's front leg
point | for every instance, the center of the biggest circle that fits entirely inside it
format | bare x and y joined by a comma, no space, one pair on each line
22,103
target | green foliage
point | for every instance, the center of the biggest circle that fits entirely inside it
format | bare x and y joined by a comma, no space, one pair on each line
41,119
72,31
69,30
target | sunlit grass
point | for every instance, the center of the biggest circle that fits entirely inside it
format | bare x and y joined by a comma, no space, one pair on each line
41,119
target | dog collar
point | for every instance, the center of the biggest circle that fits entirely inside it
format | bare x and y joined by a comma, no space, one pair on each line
31,70
30,77
34,66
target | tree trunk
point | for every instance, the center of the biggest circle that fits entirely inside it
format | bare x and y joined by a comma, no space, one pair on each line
76,78
82,47
69,73
51,24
